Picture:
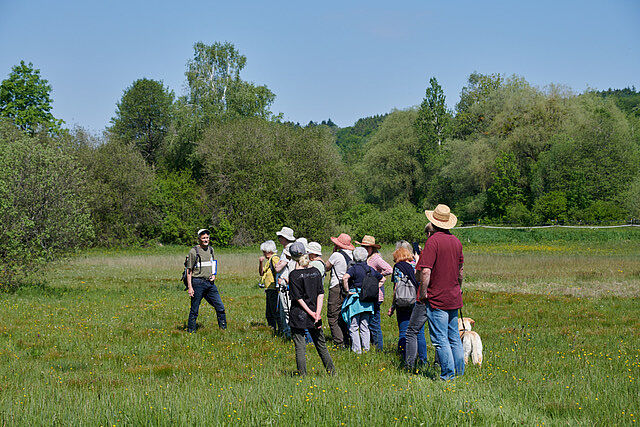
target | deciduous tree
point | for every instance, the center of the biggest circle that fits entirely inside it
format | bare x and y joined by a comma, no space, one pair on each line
143,116
25,99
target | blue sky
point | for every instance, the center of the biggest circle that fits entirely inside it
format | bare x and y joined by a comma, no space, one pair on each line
342,60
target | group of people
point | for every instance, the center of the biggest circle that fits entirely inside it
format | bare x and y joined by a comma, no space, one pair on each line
293,284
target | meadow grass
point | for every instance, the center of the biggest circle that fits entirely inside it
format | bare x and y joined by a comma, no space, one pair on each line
103,343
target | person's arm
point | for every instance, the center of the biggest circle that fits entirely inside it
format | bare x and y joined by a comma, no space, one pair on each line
328,265
306,308
189,285
460,275
425,278
384,267
319,308
280,265
345,282
260,261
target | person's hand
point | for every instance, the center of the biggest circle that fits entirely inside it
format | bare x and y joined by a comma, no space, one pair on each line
318,316
190,291
212,277
261,259
390,311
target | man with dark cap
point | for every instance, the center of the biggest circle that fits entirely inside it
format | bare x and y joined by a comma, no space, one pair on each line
201,276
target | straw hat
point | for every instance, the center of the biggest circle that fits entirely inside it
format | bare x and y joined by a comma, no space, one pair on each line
314,248
442,217
369,241
287,233
343,241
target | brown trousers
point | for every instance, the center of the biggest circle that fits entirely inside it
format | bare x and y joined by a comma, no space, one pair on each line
338,328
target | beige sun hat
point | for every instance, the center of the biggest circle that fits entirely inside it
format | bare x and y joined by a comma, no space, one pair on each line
442,217
314,248
368,241
287,233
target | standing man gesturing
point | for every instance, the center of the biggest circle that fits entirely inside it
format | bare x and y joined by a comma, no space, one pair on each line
439,294
201,278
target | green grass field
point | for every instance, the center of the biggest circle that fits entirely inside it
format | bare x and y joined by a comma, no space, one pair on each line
102,343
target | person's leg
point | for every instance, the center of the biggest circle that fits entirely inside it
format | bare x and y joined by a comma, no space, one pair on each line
422,346
416,322
365,331
270,308
283,315
301,349
334,304
198,290
455,343
213,297
375,327
354,332
402,316
438,331
321,348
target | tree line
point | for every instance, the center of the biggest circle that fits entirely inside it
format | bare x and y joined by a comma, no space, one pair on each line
218,157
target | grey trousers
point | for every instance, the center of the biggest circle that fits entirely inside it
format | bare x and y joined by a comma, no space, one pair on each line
301,349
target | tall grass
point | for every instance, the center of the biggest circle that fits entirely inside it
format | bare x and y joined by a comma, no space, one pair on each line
103,343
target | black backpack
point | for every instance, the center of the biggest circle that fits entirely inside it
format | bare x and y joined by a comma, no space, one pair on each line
197,264
369,290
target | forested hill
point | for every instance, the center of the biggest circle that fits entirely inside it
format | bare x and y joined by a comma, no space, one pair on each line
351,139
627,99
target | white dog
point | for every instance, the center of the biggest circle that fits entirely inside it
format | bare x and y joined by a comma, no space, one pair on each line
471,342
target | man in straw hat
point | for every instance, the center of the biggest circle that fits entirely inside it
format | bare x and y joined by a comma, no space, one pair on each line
439,295
338,263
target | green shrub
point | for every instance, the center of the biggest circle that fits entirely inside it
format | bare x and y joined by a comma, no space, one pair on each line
43,208
182,204
601,212
400,222
222,234
551,207
122,191
518,214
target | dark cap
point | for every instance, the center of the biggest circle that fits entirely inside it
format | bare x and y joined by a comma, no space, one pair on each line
297,249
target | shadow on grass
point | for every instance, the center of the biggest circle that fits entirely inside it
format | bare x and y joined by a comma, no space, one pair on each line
39,288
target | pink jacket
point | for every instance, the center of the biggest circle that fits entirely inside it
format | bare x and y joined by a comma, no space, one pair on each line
382,267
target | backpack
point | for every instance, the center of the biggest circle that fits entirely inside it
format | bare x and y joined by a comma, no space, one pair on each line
197,263
369,290
347,260
404,292
273,271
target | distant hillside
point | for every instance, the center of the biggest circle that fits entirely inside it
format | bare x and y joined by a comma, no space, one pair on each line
352,139
628,99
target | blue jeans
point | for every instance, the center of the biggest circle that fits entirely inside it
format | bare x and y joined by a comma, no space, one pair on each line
203,288
375,328
403,314
443,330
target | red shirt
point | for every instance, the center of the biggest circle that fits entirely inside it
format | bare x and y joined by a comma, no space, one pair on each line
443,255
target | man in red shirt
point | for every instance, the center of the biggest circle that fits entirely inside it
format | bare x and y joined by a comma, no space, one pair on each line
439,294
